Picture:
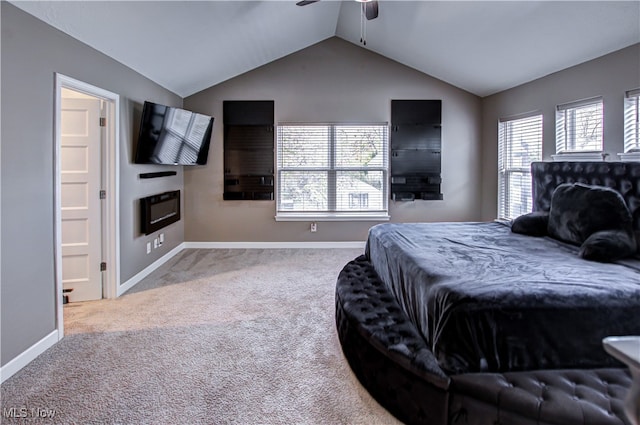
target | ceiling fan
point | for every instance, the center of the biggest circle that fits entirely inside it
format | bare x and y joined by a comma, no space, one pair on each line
369,7
369,11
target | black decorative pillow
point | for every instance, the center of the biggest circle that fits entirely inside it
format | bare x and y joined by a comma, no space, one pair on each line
532,224
608,245
578,211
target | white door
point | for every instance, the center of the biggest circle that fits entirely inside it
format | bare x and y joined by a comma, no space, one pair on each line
80,178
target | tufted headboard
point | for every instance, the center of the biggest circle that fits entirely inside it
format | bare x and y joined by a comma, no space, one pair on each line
621,176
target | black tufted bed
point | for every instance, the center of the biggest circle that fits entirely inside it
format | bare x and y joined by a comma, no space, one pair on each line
473,324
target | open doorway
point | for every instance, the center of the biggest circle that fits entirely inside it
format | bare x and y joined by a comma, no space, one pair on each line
86,193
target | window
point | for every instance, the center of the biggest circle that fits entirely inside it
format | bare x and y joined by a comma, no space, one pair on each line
579,126
519,143
332,170
359,200
632,121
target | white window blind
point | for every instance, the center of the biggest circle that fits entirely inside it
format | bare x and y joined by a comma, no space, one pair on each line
632,120
579,126
519,144
332,168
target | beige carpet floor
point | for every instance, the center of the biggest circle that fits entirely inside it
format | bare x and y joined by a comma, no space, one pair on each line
212,337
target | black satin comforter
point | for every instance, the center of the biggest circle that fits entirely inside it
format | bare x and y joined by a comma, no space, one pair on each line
488,300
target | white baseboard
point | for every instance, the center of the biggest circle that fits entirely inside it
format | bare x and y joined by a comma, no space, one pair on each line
27,356
275,245
149,269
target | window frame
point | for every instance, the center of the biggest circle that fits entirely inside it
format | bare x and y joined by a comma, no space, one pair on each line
332,169
563,140
505,171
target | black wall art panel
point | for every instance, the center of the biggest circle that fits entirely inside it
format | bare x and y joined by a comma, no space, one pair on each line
248,150
416,149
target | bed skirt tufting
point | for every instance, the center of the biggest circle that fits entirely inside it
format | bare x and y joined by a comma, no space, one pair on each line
393,362
385,351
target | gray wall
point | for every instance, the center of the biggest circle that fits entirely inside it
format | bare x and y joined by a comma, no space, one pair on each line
31,53
333,81
608,76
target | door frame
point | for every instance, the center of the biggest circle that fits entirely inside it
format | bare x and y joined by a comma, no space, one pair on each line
110,182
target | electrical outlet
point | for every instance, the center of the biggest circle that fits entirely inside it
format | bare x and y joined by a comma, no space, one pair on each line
314,227
155,243
148,247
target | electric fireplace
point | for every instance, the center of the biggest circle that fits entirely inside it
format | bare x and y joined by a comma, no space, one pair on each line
158,211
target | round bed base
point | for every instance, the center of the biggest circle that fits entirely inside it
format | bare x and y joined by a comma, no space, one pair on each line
393,362
384,350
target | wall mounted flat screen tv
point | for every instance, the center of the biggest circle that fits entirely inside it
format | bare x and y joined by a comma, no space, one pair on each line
173,136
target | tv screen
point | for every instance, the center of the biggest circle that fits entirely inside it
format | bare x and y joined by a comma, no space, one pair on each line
173,136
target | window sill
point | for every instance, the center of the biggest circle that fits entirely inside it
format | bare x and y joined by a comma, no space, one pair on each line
332,217
629,157
580,156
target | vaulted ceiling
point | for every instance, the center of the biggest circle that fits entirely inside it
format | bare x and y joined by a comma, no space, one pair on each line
480,46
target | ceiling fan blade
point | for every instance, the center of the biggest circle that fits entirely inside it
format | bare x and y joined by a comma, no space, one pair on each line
306,2
370,9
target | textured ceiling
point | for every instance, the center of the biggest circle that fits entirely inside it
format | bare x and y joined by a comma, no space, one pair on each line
481,46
